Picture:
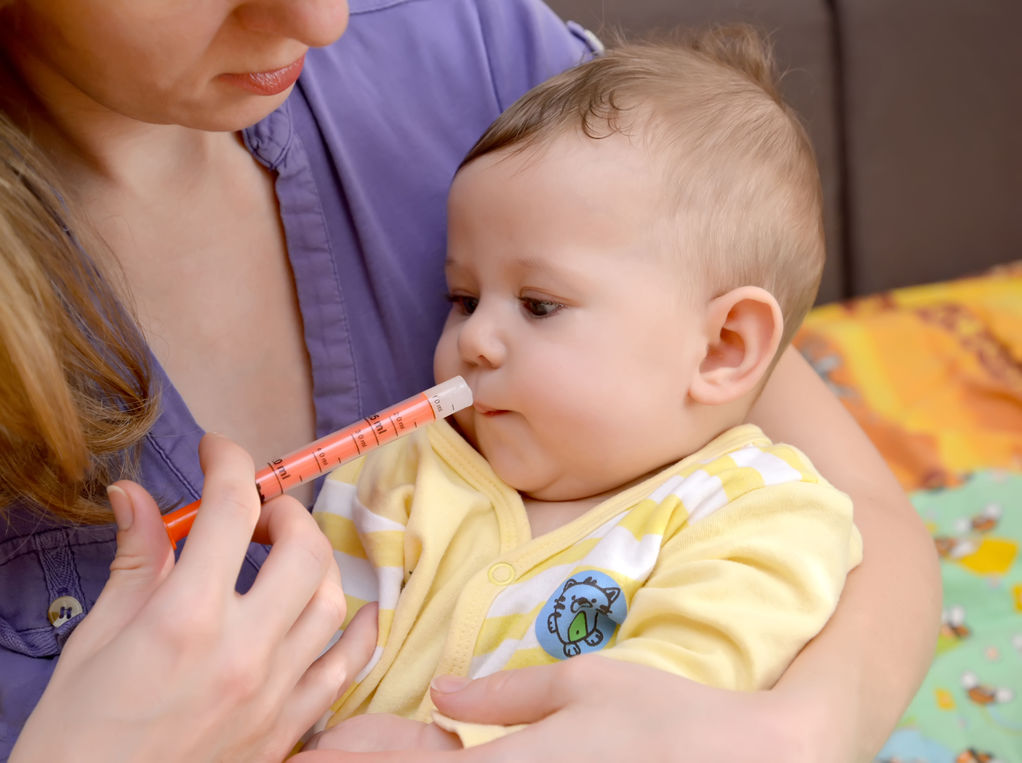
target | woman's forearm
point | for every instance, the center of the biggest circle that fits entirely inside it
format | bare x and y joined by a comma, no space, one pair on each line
865,666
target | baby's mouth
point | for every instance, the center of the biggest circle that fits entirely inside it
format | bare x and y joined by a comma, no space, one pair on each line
489,412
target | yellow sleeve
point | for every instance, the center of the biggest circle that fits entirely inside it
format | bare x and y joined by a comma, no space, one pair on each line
735,596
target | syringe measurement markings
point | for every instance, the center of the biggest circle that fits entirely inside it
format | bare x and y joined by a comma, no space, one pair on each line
276,467
321,460
379,431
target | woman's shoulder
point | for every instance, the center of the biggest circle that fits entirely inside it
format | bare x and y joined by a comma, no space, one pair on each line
445,46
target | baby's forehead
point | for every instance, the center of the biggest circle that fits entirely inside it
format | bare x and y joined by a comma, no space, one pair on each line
617,180
629,160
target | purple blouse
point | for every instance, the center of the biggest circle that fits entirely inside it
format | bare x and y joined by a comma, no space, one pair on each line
364,151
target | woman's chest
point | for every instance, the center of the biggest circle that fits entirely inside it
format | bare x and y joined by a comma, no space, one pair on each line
214,292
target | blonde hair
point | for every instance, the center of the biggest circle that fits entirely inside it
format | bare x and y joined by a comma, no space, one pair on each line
75,384
740,172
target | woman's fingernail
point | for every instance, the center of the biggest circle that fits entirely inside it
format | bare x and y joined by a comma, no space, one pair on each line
449,684
120,502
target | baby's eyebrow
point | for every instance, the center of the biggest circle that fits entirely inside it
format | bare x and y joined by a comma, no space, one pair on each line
534,264
526,266
452,265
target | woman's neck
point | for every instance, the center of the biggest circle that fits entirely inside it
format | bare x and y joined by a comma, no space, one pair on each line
97,149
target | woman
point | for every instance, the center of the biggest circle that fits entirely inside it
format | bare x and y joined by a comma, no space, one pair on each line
286,278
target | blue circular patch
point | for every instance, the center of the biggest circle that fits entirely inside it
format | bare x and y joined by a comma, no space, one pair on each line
581,616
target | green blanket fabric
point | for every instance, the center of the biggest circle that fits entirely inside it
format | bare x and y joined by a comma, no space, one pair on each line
969,707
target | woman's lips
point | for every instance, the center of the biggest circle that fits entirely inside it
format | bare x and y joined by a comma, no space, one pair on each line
267,83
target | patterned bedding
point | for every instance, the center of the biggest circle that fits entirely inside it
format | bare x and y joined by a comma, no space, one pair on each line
934,375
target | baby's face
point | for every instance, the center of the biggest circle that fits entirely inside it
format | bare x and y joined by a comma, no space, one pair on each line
570,319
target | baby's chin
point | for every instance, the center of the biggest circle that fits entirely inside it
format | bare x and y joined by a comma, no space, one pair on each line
562,491
574,488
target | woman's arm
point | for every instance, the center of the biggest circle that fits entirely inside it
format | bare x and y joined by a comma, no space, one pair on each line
877,647
171,664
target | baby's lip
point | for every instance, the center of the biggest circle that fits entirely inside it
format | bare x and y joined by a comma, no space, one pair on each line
485,410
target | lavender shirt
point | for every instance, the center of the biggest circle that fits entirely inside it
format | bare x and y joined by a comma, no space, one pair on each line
364,150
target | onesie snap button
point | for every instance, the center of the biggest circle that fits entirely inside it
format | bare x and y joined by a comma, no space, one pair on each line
62,609
502,573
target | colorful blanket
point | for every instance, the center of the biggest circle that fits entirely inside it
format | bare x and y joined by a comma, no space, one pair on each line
934,375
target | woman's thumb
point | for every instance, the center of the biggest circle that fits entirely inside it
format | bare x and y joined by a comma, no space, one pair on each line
144,554
507,697
144,558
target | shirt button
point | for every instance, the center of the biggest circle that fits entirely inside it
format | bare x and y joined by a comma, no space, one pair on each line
501,573
62,609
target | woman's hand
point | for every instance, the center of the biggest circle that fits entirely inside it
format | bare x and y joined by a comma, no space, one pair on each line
172,664
597,709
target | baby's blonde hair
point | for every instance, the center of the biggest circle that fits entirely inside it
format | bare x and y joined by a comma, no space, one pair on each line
740,172
75,380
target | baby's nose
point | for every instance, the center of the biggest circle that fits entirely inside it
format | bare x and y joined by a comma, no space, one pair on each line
481,342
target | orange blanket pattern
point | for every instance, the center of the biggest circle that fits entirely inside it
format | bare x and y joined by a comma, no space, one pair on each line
932,373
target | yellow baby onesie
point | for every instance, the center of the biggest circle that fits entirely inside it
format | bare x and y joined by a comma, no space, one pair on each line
718,568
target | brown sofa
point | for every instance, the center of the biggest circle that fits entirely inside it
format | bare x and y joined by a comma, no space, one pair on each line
915,109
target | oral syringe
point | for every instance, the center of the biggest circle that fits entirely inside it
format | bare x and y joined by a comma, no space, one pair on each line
305,464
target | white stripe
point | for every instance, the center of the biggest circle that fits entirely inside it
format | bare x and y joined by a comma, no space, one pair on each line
361,580
485,664
606,527
521,598
377,654
335,497
618,552
368,522
341,499
772,469
621,552
701,493
670,485
358,577
391,581
703,497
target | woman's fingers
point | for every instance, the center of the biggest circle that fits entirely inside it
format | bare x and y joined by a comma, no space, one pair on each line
344,660
329,676
299,572
219,539
317,625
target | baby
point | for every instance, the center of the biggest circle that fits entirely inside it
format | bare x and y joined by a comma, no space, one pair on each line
631,246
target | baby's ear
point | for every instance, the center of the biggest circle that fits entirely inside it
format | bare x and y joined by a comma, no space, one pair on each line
743,331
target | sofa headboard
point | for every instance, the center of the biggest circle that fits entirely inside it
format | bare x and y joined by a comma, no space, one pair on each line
915,111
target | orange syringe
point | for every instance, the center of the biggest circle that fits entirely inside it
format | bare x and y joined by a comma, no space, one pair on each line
304,464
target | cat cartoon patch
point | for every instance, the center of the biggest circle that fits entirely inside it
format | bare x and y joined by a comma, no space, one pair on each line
581,616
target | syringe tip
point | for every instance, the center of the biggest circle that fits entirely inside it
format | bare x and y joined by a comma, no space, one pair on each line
449,396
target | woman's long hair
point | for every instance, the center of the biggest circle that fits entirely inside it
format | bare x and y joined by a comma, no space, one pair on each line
76,392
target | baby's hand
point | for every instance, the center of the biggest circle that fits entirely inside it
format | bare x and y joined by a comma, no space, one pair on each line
379,732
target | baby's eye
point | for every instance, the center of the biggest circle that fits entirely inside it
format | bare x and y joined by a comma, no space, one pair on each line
466,304
540,308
